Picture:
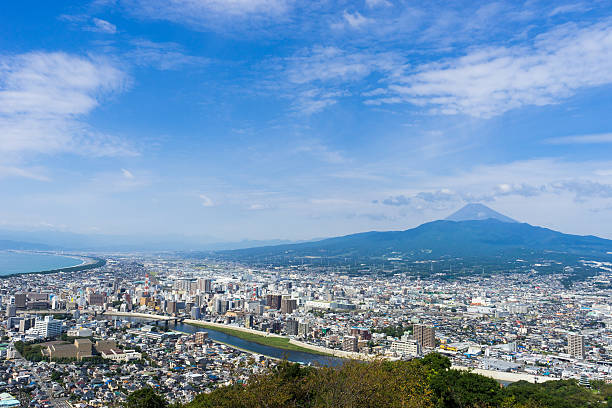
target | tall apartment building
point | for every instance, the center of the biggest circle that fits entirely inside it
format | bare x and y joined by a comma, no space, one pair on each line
196,313
221,306
288,305
48,327
292,327
350,343
303,329
274,301
171,307
200,337
424,335
205,285
575,345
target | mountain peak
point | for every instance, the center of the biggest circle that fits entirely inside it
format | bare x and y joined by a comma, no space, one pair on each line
477,211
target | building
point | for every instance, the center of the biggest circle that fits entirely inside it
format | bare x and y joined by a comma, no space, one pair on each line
221,306
11,311
575,345
80,349
20,300
208,285
406,347
276,326
48,327
26,324
424,335
292,327
303,329
248,321
200,337
361,333
96,299
196,314
121,355
274,301
171,307
288,305
350,343
80,332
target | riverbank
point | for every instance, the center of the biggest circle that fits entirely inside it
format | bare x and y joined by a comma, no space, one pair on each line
284,342
280,342
255,336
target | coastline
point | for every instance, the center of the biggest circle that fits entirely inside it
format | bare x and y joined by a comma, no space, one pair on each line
87,262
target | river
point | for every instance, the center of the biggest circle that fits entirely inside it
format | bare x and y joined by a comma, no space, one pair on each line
291,355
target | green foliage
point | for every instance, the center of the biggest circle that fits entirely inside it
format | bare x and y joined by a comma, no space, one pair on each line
145,398
426,383
29,351
393,331
56,376
557,394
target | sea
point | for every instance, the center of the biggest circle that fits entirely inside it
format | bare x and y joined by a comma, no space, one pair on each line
12,262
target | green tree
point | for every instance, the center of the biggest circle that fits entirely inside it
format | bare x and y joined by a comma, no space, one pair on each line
145,398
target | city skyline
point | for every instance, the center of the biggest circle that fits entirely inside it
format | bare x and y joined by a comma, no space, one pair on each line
279,119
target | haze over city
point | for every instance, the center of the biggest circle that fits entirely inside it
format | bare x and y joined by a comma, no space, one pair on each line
281,119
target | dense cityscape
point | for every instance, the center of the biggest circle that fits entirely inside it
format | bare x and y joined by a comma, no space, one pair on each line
89,338
305,204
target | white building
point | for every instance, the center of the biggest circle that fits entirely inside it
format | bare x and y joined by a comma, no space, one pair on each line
47,327
406,347
80,332
121,355
575,345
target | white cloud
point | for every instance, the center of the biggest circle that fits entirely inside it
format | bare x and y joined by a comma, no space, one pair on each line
491,81
127,174
207,13
163,56
319,77
13,171
87,23
333,64
44,98
102,26
582,139
569,8
355,20
377,3
258,207
206,201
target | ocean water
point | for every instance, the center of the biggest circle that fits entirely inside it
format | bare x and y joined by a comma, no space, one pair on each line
22,262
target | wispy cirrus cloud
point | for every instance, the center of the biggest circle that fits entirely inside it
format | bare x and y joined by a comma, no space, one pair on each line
45,97
163,56
88,23
321,76
206,201
491,81
102,26
204,14
594,138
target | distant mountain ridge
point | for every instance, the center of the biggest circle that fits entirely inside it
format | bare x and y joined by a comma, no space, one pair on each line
491,234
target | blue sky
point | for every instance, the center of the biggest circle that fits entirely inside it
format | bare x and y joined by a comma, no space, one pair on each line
262,119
